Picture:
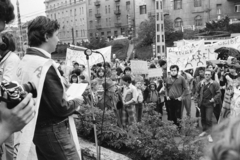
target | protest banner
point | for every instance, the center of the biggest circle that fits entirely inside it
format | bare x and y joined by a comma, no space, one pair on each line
198,59
155,72
80,57
186,56
139,67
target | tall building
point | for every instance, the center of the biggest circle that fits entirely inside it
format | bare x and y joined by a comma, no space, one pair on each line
71,14
110,18
195,13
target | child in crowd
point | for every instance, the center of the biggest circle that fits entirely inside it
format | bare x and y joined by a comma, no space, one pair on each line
74,78
139,103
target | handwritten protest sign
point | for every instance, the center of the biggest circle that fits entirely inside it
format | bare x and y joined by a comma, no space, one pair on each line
198,59
156,72
189,56
139,67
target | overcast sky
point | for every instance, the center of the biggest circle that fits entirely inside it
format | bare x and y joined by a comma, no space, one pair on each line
29,9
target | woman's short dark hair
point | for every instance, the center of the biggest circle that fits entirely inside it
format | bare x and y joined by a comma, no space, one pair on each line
38,28
127,79
7,38
99,70
174,66
127,69
6,11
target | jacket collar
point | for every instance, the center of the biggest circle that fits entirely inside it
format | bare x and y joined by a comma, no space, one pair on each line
36,52
204,81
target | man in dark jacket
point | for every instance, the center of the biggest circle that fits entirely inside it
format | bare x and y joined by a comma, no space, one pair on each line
52,136
208,95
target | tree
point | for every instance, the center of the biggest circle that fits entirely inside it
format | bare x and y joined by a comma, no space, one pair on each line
220,25
168,24
147,32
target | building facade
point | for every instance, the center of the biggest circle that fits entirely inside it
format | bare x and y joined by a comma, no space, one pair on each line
192,14
110,18
72,16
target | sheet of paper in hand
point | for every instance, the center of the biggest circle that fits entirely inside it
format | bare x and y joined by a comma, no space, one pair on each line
76,90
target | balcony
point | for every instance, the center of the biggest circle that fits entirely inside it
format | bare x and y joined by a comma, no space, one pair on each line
117,0
99,26
98,15
97,3
117,25
117,12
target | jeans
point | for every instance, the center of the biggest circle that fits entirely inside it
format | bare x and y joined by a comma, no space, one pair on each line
55,142
175,110
206,117
139,112
186,102
168,109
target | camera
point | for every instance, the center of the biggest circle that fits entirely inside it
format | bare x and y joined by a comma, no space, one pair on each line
15,92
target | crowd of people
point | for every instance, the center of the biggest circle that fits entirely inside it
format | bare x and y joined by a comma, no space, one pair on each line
113,87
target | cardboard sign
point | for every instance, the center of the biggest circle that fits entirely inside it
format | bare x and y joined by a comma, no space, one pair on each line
156,72
139,67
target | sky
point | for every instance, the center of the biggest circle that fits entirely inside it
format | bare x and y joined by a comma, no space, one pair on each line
29,9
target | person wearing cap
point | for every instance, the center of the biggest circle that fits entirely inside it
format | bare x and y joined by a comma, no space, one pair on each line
130,94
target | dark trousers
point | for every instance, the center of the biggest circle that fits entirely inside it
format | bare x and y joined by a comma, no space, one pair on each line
159,108
167,109
55,143
175,107
139,107
206,117
217,111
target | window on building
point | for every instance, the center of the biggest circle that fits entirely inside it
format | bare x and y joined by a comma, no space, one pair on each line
219,8
158,27
162,38
75,12
143,9
118,19
82,10
162,27
198,21
237,8
91,24
128,5
163,49
76,33
161,16
178,22
157,16
177,4
158,49
89,2
158,38
161,6
90,12
70,12
157,4
107,21
108,8
197,3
